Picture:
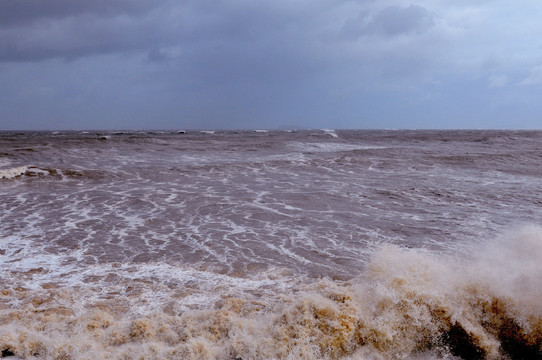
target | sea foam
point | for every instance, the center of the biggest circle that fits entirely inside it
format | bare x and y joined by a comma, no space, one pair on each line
407,304
21,170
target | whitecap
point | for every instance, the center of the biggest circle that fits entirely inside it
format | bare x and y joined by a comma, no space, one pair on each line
330,132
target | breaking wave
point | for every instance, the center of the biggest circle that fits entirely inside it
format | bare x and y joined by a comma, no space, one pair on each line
29,171
330,132
481,303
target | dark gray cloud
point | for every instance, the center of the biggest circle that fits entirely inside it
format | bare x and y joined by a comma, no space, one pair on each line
396,20
392,21
200,29
245,63
38,30
24,12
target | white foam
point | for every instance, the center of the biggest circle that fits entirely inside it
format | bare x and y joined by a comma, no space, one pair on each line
4,163
330,132
512,265
405,300
13,172
22,170
330,147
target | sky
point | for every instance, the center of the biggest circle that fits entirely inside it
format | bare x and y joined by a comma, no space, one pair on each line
251,64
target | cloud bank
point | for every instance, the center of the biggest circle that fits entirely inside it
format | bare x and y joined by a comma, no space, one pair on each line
254,64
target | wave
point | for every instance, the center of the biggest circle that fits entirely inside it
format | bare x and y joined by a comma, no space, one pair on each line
29,171
408,303
329,147
330,132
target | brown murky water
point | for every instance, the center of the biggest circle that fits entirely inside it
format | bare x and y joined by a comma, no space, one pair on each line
271,245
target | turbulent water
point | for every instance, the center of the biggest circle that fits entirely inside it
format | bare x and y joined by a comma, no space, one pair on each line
271,245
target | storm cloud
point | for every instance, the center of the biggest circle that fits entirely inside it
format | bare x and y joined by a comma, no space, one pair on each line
391,21
254,64
24,12
40,30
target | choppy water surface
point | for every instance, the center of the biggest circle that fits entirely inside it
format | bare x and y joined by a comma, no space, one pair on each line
271,245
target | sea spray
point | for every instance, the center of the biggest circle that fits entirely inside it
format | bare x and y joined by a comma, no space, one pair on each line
405,304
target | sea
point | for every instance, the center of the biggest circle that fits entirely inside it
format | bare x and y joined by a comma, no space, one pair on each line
287,244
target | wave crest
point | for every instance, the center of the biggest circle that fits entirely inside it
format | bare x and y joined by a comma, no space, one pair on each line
28,171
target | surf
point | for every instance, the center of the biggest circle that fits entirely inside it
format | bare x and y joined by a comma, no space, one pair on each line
481,303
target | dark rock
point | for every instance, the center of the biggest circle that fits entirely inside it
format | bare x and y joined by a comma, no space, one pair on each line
7,353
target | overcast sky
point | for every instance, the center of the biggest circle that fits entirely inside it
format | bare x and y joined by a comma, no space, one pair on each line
165,64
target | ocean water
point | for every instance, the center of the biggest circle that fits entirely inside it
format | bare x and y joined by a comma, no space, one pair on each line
313,244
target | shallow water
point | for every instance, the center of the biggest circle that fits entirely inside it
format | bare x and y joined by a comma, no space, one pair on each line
271,245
